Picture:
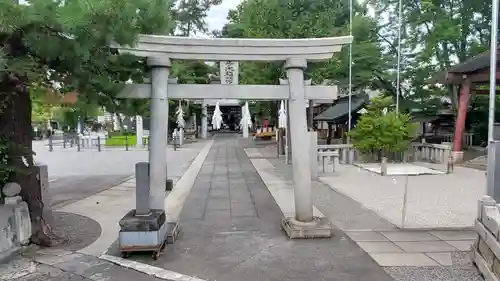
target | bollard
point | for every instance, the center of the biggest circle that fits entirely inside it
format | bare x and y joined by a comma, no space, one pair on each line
51,147
169,185
176,142
99,143
64,141
383,166
71,141
450,165
126,142
78,142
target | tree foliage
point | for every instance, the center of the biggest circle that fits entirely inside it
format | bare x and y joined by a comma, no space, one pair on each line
305,19
62,46
381,129
191,14
436,34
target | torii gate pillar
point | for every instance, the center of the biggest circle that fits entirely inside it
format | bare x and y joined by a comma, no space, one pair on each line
204,122
160,69
304,224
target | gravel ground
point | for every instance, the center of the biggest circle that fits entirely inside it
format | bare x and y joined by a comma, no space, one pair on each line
461,270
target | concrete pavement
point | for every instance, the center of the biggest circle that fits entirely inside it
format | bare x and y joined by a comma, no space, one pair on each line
90,192
65,190
230,227
230,230
404,255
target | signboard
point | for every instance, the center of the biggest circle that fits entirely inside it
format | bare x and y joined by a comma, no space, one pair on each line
229,72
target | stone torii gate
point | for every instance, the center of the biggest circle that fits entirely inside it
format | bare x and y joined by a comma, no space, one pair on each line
159,50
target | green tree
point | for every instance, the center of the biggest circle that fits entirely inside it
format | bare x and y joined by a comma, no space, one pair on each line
381,130
191,15
436,34
306,19
65,42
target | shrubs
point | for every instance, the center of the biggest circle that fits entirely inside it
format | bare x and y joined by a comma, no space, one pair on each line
382,132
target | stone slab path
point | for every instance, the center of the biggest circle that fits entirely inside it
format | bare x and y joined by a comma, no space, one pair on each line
108,207
230,230
59,265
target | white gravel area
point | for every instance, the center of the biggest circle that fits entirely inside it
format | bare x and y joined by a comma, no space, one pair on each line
461,270
433,201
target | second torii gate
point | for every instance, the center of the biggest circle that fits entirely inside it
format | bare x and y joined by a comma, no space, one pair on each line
159,50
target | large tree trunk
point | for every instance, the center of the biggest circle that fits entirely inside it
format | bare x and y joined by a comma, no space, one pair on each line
16,133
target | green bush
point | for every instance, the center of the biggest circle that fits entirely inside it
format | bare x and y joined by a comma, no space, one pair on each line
121,133
382,133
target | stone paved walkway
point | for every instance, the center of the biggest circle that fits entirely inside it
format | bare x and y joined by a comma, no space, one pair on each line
60,265
230,230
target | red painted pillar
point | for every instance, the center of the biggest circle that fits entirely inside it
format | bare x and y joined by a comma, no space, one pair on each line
463,105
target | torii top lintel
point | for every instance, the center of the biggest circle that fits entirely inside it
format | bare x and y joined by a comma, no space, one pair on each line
231,49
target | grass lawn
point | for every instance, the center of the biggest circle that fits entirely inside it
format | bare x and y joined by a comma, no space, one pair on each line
120,141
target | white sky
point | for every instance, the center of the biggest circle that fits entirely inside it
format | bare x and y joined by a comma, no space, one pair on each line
217,15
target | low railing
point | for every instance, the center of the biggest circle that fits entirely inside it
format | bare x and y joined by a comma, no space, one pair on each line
468,138
417,152
346,152
429,152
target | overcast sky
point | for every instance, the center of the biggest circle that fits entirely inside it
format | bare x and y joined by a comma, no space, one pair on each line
217,15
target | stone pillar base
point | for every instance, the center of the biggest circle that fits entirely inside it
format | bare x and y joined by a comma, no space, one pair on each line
317,228
458,156
143,233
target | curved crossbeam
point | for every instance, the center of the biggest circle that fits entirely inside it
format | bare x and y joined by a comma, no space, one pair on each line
231,49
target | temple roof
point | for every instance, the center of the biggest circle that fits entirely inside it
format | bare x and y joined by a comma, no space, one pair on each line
470,66
340,108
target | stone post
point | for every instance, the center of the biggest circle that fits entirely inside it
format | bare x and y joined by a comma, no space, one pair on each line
493,173
310,114
22,222
298,132
181,136
383,166
313,154
158,132
142,190
244,123
195,125
139,131
43,180
204,124
288,142
281,142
